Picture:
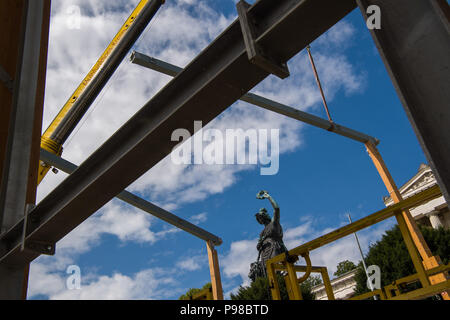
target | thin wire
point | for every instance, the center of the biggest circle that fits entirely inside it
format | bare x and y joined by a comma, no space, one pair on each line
141,38
95,105
308,48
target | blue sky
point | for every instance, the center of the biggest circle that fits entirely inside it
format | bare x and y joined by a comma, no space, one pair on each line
126,254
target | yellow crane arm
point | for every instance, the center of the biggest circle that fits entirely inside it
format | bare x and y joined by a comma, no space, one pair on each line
80,101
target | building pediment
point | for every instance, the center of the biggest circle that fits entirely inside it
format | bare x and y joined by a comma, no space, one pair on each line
424,179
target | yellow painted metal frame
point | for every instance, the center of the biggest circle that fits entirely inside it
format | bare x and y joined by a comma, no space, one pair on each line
308,269
280,262
386,293
429,261
55,147
380,293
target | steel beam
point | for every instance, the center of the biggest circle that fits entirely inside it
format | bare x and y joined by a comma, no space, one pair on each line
414,43
213,81
172,70
138,202
17,164
27,64
6,79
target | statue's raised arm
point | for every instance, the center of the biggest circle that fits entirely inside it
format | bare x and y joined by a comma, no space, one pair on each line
270,243
276,209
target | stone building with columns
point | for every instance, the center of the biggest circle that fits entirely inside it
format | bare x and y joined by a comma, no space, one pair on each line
434,213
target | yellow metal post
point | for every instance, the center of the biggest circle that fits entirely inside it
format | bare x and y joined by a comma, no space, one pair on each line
412,250
327,284
214,270
294,286
287,281
429,261
273,281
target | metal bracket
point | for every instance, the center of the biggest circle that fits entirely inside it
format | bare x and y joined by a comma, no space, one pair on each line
6,79
256,54
41,247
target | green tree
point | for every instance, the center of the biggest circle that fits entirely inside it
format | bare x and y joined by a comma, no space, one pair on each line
344,267
259,289
391,255
188,295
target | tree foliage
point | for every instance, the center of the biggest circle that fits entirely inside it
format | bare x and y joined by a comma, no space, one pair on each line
259,289
191,292
391,255
344,267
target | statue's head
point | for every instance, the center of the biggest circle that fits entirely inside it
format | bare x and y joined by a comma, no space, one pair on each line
263,217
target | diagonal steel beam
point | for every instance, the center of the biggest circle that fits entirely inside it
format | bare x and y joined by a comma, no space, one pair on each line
138,202
214,80
172,70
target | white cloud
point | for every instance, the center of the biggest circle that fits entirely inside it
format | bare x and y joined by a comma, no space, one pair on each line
340,36
190,264
199,218
146,284
237,261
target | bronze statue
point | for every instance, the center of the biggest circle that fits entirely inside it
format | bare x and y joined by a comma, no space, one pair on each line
270,242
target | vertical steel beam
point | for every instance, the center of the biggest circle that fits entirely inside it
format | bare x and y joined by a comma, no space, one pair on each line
10,20
22,148
414,43
16,168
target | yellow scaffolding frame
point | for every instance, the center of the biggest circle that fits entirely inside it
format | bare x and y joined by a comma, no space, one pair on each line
281,262
294,292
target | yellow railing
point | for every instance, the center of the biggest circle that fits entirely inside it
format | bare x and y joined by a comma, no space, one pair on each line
284,261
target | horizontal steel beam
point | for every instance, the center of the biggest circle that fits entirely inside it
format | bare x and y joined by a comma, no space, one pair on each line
172,70
16,170
138,202
213,81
